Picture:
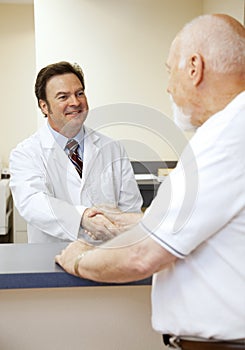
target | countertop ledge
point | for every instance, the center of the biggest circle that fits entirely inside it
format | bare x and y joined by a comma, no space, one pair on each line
32,266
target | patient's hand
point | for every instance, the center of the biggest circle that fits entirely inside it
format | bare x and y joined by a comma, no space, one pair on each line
67,258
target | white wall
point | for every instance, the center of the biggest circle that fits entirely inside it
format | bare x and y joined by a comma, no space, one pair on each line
17,71
122,47
234,8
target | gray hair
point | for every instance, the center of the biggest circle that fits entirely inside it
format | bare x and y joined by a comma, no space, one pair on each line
220,39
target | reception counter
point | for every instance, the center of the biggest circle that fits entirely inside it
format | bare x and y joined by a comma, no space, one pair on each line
33,266
43,307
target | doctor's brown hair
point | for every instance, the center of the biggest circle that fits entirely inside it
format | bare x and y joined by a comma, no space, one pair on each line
52,70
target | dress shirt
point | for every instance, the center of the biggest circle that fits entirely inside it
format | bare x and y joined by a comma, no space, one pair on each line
62,140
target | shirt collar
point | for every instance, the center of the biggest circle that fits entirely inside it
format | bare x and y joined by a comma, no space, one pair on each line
227,113
62,140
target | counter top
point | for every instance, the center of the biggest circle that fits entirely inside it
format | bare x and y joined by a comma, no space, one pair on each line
33,266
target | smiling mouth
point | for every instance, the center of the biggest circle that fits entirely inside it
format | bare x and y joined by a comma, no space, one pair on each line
74,113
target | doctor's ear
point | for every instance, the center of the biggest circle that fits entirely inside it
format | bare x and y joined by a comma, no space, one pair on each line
44,106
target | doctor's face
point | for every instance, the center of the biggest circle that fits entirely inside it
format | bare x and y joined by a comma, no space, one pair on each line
66,106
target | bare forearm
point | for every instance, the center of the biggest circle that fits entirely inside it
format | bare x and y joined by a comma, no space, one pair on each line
124,259
104,265
131,256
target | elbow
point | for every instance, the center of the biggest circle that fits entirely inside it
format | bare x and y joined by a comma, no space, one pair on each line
147,264
141,268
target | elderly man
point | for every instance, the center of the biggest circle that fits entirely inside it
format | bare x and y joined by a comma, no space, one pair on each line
194,247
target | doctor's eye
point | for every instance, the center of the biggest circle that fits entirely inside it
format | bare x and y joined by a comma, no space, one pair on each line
80,93
62,97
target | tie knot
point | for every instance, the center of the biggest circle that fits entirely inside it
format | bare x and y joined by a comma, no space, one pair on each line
72,145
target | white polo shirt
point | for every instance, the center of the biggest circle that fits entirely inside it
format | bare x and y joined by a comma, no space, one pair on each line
199,216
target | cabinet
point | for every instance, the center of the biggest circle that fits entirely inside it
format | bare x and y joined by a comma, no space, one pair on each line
6,212
20,228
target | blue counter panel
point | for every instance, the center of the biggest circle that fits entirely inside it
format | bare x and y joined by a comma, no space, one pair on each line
33,266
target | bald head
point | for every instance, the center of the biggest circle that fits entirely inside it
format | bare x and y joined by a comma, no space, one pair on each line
218,38
206,65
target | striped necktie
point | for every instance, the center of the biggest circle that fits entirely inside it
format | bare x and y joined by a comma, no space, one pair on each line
72,146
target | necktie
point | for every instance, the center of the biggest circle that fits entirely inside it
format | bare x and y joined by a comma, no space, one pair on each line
72,146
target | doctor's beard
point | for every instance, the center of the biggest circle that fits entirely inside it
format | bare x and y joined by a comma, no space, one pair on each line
182,120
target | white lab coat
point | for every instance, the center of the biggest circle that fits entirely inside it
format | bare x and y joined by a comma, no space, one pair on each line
49,193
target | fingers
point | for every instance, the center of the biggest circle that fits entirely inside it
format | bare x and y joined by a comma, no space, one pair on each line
67,257
103,231
109,211
59,259
103,224
102,236
93,212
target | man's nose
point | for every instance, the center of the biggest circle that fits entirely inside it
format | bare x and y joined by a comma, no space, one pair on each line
74,100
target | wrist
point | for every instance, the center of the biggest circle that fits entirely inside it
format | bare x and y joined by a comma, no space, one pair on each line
82,217
76,264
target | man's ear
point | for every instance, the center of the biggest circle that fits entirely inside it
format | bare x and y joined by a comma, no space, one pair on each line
44,106
196,67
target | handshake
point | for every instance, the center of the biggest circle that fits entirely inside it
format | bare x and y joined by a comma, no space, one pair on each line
100,224
104,222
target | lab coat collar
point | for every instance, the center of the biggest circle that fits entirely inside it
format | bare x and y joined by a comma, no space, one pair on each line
46,137
62,140
55,153
52,149
91,149
48,141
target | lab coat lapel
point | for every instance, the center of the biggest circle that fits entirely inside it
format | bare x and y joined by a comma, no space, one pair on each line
56,157
91,150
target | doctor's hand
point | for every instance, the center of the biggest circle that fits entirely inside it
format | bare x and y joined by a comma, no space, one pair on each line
98,226
123,221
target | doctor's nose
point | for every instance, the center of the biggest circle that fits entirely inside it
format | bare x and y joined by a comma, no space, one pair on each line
74,100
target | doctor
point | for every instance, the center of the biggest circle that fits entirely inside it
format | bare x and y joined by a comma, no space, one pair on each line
50,194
